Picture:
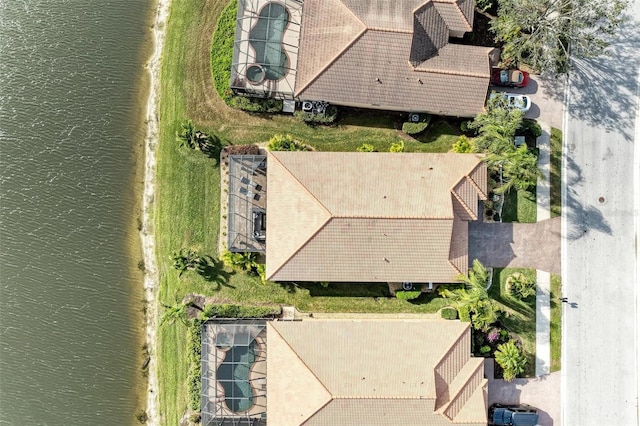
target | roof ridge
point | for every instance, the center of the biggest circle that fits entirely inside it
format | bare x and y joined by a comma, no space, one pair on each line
464,205
420,68
286,342
450,348
306,242
458,10
341,52
419,397
458,392
473,182
314,198
393,217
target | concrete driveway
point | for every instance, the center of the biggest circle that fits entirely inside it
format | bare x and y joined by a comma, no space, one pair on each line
547,95
542,393
517,245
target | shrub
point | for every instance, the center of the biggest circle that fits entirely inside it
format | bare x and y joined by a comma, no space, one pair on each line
520,286
462,145
493,335
365,147
485,349
449,313
240,261
397,147
286,143
328,117
510,358
256,104
463,313
531,126
467,129
194,347
222,51
407,295
239,311
415,128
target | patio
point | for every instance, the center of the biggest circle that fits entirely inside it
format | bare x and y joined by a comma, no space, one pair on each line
247,203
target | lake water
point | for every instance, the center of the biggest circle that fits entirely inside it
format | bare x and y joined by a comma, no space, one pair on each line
73,93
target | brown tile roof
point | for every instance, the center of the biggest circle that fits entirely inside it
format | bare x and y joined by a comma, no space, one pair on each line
378,60
452,15
396,211
380,372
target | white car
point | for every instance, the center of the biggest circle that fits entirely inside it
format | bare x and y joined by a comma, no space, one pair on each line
513,100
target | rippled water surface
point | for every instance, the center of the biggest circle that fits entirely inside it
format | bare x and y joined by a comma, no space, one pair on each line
72,95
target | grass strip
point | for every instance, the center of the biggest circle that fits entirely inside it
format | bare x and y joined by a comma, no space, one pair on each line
556,172
556,322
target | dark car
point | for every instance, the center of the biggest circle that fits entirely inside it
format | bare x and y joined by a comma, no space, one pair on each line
513,415
509,77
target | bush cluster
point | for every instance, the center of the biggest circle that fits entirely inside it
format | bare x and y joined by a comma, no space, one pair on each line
194,380
408,295
328,117
412,128
286,143
449,313
239,311
256,104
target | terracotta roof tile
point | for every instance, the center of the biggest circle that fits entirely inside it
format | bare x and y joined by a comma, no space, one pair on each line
324,207
375,72
370,63
352,359
452,15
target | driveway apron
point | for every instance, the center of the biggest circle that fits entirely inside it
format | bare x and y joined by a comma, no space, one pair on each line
517,245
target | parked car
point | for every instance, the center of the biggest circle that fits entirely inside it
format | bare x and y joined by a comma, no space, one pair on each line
509,77
513,415
514,100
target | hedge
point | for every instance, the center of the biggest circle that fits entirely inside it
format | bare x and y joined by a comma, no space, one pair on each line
239,311
407,295
449,313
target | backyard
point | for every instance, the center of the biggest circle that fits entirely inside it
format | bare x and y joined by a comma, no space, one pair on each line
188,193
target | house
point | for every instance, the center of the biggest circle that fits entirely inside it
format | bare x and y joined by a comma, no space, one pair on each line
343,372
371,217
402,55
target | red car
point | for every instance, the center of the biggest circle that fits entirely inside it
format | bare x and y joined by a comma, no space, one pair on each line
509,77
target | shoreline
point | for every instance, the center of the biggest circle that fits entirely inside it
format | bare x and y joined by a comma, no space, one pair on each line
147,235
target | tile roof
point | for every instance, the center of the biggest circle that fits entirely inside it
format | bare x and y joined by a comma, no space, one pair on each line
380,372
378,58
397,211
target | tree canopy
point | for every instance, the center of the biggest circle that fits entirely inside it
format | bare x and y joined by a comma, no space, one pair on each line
542,33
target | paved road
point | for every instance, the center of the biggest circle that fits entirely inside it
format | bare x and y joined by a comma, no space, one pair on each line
600,324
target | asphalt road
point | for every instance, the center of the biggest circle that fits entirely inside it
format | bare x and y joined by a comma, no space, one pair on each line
600,218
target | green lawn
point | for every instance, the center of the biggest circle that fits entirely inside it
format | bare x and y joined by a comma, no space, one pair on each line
520,206
556,168
556,322
520,316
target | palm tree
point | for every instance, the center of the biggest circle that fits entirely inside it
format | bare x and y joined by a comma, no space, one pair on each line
187,137
509,357
473,298
175,312
186,259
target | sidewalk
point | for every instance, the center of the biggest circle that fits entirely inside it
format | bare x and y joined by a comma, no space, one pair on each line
543,278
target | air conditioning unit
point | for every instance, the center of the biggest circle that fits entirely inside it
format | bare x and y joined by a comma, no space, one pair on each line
414,118
307,106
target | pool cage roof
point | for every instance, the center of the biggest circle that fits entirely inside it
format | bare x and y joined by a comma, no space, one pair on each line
229,377
265,51
247,203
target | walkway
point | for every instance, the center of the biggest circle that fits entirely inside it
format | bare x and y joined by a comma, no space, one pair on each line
543,277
